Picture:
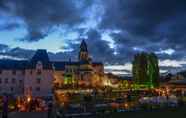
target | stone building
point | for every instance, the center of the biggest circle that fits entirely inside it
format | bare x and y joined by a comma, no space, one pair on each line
77,73
38,75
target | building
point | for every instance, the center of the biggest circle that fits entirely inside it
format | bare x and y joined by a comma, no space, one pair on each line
79,73
38,75
33,76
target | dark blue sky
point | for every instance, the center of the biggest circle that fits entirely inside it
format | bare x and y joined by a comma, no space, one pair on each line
115,30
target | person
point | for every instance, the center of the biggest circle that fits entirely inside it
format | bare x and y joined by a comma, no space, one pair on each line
5,107
49,109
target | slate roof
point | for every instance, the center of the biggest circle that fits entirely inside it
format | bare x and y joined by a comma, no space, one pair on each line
83,46
13,65
42,56
60,65
96,63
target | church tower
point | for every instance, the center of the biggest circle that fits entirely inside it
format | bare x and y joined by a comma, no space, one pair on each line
83,53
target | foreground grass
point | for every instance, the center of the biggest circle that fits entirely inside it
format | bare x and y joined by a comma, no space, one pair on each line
167,113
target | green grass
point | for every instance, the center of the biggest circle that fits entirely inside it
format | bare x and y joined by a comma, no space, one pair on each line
168,113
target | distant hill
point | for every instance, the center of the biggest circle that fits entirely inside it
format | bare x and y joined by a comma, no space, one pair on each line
183,73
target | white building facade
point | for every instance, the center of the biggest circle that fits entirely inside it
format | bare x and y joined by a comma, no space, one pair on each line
19,78
36,76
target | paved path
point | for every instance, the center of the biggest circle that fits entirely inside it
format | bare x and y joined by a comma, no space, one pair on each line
27,115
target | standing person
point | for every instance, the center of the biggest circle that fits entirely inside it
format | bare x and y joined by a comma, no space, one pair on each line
5,107
49,109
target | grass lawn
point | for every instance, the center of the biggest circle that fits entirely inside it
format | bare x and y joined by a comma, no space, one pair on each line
168,113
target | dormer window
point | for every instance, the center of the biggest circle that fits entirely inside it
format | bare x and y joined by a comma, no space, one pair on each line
39,65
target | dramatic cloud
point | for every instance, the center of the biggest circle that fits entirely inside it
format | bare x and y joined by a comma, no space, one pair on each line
41,16
150,24
115,30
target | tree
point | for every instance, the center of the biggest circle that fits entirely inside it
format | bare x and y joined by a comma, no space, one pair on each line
146,70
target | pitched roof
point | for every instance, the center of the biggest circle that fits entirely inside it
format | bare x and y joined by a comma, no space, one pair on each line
60,65
42,56
13,65
97,63
83,46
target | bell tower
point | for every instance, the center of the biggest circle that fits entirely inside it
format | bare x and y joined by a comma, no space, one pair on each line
83,53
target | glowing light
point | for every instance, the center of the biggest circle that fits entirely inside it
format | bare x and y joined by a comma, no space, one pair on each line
28,99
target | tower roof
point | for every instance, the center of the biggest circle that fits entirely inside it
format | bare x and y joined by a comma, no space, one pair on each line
42,56
83,46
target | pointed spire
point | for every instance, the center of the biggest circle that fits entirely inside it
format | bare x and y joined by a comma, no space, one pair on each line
83,46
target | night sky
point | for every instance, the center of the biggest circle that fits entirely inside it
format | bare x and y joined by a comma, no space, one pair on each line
115,30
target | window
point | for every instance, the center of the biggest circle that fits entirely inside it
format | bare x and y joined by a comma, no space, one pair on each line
30,88
31,72
20,81
38,80
39,65
14,72
0,81
13,80
6,80
1,71
37,88
11,89
23,72
38,72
